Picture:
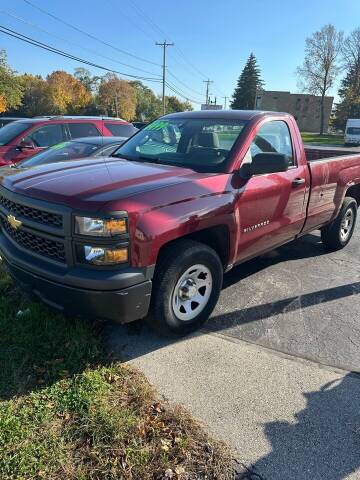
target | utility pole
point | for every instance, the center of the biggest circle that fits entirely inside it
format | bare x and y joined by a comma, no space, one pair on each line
116,106
164,45
207,90
225,104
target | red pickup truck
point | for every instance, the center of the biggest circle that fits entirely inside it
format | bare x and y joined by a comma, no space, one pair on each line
150,232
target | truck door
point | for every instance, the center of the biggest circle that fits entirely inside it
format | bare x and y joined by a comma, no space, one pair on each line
272,207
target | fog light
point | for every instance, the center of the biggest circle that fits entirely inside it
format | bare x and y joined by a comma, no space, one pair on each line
105,256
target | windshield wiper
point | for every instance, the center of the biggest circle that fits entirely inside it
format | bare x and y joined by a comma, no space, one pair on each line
143,158
125,157
140,158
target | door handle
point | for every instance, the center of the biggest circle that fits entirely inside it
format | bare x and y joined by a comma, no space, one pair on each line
298,181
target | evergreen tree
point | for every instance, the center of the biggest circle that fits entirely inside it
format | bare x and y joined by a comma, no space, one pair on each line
248,84
349,93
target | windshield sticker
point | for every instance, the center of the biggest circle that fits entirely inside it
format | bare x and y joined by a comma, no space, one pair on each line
158,125
59,145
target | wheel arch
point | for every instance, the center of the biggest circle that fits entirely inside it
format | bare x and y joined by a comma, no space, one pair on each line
217,237
354,192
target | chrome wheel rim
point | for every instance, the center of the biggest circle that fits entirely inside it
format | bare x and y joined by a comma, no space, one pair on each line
347,224
192,292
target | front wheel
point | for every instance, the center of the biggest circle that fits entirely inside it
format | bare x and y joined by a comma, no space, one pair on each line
338,233
186,287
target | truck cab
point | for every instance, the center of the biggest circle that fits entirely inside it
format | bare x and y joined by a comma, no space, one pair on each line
150,231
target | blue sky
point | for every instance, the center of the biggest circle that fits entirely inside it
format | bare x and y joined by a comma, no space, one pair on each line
214,37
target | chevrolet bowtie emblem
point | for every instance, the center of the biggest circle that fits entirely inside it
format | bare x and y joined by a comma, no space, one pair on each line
14,222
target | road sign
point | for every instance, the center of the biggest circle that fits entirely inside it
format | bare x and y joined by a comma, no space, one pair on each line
211,106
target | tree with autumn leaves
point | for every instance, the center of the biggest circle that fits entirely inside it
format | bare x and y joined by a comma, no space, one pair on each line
61,93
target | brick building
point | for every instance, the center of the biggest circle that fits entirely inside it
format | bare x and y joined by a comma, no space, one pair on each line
304,107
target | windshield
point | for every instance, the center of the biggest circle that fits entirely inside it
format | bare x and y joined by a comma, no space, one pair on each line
197,143
60,153
353,131
11,130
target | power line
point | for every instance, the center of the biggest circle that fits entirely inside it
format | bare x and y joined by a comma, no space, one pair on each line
174,89
93,37
33,25
131,20
164,45
182,83
44,46
159,30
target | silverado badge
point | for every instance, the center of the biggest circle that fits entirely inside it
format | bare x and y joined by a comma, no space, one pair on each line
14,222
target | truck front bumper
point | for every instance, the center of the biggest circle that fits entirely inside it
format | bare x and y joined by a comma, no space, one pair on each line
121,296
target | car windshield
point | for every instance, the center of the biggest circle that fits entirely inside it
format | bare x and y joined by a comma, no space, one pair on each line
197,143
60,153
11,130
353,131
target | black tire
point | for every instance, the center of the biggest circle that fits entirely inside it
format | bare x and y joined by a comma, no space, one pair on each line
331,234
174,261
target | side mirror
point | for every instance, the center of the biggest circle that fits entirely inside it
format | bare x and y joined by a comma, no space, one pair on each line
25,145
270,162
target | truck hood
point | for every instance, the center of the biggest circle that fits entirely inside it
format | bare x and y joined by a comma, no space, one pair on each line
88,183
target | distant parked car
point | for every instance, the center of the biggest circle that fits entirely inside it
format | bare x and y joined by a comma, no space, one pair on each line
352,132
24,138
74,149
5,120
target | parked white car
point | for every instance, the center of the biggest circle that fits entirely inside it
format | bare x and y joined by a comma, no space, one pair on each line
352,131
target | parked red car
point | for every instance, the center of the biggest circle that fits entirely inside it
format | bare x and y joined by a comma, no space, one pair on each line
24,138
151,233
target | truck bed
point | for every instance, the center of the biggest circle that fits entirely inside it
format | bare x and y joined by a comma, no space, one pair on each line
319,153
332,171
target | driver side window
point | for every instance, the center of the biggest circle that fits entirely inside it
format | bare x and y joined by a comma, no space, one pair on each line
273,136
47,135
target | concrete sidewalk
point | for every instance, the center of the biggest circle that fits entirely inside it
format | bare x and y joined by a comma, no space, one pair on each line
286,418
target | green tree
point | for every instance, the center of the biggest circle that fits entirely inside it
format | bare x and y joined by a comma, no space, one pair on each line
173,104
248,84
35,96
349,93
148,105
11,90
90,82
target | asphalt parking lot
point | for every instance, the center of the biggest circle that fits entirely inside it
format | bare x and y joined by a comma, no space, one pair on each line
298,299
271,372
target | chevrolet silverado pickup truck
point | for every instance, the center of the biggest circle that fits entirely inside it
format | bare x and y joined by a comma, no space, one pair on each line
149,232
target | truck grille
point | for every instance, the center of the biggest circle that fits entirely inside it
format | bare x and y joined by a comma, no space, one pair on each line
30,213
40,245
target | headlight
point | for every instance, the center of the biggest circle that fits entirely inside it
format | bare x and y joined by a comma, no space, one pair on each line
98,227
105,256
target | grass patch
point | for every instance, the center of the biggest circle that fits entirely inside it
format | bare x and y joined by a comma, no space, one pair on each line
324,140
68,412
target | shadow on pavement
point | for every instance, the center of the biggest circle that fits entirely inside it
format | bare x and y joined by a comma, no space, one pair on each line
137,339
323,443
290,304
305,247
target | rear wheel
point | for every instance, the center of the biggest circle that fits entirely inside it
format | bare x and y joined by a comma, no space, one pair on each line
338,233
186,287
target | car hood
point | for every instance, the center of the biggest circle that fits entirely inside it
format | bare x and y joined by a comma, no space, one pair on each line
89,184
